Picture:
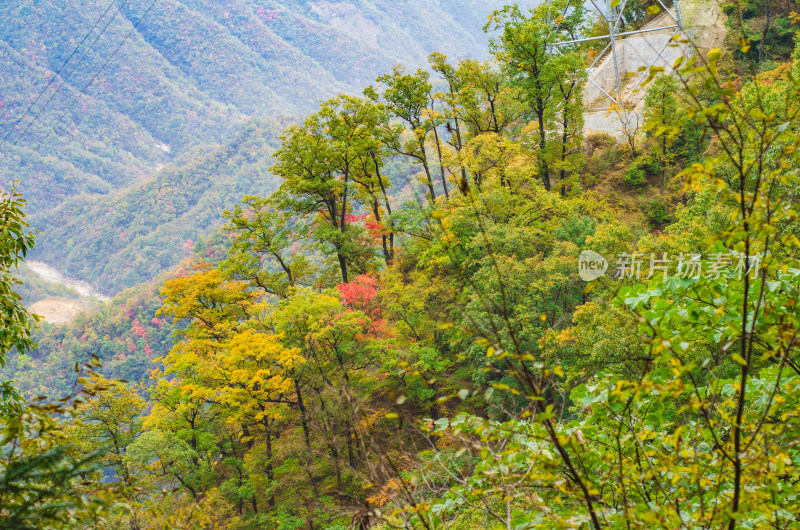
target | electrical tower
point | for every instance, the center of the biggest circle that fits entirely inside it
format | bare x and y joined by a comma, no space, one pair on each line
612,12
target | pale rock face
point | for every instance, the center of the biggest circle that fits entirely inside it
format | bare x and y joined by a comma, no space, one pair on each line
57,311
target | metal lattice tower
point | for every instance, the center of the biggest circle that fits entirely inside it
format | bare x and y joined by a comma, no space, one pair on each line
614,17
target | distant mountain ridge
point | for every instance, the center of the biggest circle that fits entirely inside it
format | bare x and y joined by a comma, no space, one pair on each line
192,72
191,76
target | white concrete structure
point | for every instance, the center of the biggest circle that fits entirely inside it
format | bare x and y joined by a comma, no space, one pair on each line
635,55
614,92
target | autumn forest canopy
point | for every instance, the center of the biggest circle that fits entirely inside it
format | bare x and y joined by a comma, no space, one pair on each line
438,299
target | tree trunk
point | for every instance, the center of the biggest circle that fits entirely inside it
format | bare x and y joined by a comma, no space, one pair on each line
384,238
543,169
301,406
564,139
336,465
342,265
441,164
270,468
388,207
428,172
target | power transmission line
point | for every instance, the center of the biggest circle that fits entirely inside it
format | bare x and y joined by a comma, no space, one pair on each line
23,163
39,112
56,74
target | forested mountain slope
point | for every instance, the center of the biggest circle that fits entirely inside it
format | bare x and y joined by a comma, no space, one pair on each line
189,74
130,236
563,330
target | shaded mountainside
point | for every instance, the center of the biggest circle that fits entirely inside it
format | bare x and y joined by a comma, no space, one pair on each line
132,235
191,72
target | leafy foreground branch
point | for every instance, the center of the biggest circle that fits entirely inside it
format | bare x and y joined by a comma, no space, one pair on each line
46,481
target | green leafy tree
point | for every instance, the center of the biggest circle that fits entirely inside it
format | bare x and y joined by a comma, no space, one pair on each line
264,249
318,163
409,97
17,324
544,78
662,115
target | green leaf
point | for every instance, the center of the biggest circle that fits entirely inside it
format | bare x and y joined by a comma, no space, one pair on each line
738,359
